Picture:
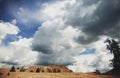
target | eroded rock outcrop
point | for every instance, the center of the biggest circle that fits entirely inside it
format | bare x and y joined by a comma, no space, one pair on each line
48,69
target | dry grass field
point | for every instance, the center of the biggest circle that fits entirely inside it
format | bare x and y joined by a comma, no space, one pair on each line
53,75
5,73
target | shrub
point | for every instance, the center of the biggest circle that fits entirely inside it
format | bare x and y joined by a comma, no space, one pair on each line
12,69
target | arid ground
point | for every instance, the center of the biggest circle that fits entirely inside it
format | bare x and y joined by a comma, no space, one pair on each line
65,73
53,75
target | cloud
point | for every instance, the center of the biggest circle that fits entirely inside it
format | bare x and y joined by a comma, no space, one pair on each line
100,60
41,12
67,35
92,18
83,14
91,63
26,15
58,58
53,41
17,53
7,28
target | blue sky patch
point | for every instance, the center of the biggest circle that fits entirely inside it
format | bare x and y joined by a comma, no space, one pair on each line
88,51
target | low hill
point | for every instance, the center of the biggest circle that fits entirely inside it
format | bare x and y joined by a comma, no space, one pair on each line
52,71
48,69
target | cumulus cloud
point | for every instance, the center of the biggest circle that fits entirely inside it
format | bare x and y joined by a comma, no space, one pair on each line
68,34
53,41
100,60
42,12
7,28
26,15
94,18
17,53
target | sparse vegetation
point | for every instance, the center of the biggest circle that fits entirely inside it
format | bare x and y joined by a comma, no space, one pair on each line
1,73
55,70
42,71
18,68
46,74
22,69
38,70
12,69
49,70
8,73
31,70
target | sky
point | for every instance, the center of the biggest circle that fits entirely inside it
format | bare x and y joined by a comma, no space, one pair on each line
62,32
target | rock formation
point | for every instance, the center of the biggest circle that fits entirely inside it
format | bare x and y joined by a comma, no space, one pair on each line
48,69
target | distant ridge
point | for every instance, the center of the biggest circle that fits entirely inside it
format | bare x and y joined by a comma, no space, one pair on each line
48,69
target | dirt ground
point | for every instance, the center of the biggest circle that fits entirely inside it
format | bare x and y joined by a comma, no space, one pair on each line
5,73
53,75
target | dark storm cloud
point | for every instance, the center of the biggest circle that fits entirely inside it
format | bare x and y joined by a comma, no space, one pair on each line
109,15
106,20
89,2
42,48
9,63
55,58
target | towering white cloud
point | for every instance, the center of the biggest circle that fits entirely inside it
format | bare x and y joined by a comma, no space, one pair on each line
59,38
52,38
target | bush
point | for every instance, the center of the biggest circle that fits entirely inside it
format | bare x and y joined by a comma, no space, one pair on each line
22,69
38,70
31,70
12,69
8,73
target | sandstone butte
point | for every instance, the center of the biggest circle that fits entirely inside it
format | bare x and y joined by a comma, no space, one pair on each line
52,71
